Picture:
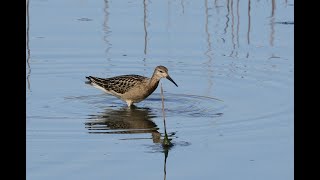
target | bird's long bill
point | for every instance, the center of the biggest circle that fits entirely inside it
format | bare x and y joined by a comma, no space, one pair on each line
170,79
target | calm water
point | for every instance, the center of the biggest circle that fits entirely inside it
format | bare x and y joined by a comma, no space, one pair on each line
230,118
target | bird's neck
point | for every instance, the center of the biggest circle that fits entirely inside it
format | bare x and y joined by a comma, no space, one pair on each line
153,82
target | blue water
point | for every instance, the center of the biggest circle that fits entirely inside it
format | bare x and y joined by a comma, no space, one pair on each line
230,118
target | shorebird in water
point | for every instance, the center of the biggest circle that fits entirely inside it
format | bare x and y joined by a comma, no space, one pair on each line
131,88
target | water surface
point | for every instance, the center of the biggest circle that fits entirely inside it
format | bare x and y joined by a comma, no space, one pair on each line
230,118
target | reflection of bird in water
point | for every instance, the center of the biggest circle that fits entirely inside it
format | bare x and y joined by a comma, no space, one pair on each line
124,121
131,88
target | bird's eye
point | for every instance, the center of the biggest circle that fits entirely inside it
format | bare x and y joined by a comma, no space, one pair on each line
160,71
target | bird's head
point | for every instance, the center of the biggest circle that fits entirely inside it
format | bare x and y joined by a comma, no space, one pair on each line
162,72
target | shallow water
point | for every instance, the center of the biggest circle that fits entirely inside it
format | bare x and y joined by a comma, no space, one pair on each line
230,118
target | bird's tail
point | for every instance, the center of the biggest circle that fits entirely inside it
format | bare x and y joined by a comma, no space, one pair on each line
89,80
94,81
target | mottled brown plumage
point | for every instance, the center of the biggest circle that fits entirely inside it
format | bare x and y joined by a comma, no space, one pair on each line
131,88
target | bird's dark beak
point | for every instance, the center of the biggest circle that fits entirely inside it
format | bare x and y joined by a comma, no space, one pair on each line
169,78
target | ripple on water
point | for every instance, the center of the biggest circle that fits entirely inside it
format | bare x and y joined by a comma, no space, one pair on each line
114,117
184,105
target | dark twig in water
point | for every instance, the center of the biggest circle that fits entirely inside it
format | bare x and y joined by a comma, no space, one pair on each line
166,152
166,141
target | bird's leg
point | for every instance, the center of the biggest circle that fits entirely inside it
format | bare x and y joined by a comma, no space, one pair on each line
129,103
